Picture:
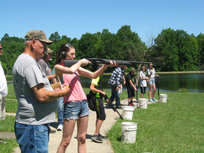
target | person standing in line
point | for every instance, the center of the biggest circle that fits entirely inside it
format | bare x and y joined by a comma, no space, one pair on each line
43,62
115,81
96,87
37,102
131,88
151,74
143,81
3,93
75,104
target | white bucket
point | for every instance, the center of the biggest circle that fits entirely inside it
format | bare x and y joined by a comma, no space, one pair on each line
129,131
163,98
128,112
143,103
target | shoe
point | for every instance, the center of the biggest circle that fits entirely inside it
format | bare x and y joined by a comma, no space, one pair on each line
2,141
151,100
154,99
102,137
60,127
119,107
130,104
52,131
96,138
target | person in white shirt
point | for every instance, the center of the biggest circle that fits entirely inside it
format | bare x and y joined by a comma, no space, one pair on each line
151,74
3,90
143,81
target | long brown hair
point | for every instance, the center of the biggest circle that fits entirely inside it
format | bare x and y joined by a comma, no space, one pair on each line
65,47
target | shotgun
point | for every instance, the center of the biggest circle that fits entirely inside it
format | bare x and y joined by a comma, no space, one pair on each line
69,63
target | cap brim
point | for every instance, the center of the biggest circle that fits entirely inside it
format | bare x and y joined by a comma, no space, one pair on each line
46,41
50,51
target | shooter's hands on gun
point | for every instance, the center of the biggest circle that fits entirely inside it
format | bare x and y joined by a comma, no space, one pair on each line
112,64
84,62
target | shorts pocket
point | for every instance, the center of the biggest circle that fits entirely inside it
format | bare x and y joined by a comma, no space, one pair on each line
22,135
71,104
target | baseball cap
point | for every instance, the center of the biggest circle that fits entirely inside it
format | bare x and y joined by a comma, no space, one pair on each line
37,35
49,50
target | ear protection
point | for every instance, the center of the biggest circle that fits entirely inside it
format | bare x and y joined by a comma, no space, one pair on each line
62,54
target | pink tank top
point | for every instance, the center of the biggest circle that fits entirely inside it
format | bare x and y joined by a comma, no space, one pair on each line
76,90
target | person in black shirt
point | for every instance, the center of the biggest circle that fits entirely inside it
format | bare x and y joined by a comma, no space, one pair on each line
130,86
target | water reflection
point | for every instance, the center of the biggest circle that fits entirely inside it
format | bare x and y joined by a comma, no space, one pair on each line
168,82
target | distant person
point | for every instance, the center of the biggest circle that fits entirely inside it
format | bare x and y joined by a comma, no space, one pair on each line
3,90
143,81
3,93
75,104
115,81
47,56
96,87
43,62
37,102
131,86
151,74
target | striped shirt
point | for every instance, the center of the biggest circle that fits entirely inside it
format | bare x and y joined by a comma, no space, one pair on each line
116,77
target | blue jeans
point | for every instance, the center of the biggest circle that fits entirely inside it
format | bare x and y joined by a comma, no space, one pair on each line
115,94
32,138
60,102
74,110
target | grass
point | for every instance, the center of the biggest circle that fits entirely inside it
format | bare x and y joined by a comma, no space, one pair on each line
7,125
175,126
11,106
8,148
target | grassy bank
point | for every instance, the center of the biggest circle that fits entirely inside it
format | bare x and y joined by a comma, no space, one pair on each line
175,126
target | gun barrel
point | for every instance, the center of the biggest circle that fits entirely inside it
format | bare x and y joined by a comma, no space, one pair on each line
139,62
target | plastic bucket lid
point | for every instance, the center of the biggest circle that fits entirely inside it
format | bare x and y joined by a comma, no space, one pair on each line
130,108
163,95
129,125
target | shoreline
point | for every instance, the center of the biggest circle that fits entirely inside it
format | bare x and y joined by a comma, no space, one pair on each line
170,72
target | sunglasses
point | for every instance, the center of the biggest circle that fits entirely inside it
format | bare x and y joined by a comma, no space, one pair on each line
0,48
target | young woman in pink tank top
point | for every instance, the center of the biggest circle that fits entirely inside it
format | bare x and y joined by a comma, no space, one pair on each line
75,104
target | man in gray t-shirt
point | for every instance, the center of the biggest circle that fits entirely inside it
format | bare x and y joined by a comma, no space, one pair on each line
37,102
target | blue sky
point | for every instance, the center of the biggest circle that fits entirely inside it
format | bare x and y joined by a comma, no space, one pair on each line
76,17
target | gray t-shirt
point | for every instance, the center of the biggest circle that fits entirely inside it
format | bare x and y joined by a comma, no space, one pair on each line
45,67
27,74
143,82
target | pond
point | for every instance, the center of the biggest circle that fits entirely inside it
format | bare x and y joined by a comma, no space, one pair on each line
167,82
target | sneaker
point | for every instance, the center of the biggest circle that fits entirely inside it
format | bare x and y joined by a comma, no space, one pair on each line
154,99
151,100
96,138
2,141
119,107
60,127
102,137
130,104
52,131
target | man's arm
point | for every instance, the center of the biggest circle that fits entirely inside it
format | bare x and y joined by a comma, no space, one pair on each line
43,95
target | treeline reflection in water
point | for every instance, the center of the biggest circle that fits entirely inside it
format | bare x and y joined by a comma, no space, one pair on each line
167,82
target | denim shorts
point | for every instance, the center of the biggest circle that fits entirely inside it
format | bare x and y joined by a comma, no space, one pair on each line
74,110
32,138
151,81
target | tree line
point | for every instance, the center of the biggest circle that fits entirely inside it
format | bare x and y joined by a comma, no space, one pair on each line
171,50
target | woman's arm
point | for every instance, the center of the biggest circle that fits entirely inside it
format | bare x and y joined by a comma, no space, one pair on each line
94,75
59,69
